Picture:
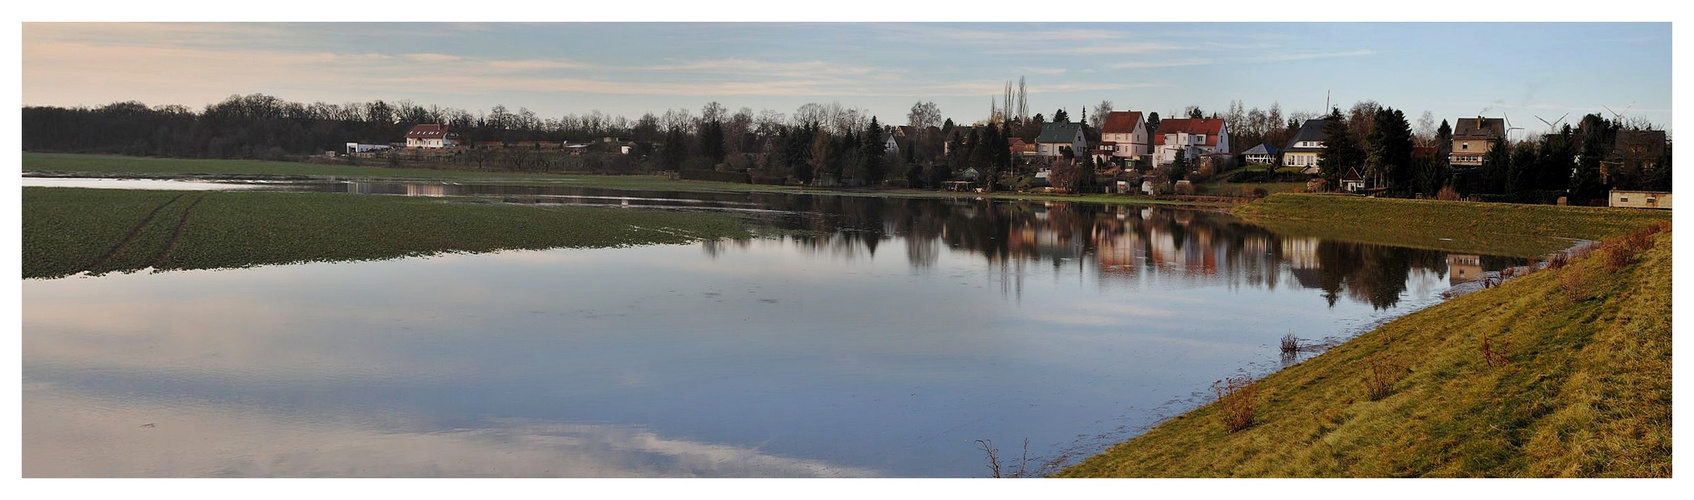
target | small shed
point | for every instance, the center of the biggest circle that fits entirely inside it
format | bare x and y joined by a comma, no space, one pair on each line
1262,154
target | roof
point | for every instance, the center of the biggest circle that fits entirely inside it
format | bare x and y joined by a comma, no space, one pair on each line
1261,149
1121,122
1638,145
1059,132
1312,130
1352,174
430,131
1479,128
1210,127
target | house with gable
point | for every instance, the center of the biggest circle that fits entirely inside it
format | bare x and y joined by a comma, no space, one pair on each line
1057,136
1190,137
1262,154
1125,133
1303,149
1473,138
432,136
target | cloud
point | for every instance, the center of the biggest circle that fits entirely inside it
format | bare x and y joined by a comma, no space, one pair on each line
1160,64
1103,49
1318,55
141,438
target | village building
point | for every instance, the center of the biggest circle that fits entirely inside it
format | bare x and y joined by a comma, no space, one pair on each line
1190,137
1261,154
431,135
1123,135
356,147
1639,199
1303,149
1473,138
1055,137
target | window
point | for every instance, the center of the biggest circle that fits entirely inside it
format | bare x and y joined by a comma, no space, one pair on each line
1464,145
1623,199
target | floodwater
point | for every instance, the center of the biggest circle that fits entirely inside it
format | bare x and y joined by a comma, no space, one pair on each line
877,337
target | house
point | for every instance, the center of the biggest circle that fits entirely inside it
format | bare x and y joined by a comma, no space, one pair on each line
1352,180
1463,268
1022,149
431,135
356,147
1473,138
891,149
1190,137
1126,134
1302,150
1261,154
1639,199
1057,136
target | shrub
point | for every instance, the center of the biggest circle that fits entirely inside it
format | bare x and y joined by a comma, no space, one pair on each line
1557,260
1290,344
1447,193
1578,283
1380,378
1236,400
1492,355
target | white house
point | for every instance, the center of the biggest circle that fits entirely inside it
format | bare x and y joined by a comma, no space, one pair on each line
1191,137
431,135
1126,133
354,147
1304,148
1057,136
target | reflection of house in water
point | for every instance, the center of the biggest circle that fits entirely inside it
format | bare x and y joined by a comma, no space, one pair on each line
393,188
1301,253
1463,268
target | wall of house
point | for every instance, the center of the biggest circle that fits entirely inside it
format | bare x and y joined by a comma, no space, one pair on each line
1299,159
1640,199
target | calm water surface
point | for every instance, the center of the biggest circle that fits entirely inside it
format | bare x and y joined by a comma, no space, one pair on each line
879,338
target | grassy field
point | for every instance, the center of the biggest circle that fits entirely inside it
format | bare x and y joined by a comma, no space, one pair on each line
1564,372
1489,228
68,230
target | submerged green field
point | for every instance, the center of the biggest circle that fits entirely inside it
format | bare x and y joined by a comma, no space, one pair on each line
70,230
1488,228
1563,372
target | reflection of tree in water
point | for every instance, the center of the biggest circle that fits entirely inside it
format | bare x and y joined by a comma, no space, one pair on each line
1129,244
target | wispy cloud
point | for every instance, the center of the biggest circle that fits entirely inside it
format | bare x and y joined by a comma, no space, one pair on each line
1318,55
1160,64
1098,49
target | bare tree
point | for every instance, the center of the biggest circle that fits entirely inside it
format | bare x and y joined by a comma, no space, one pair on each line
923,115
1100,111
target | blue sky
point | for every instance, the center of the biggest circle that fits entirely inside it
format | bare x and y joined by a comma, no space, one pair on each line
1453,70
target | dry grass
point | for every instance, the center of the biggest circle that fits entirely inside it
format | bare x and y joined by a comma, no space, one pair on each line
1564,389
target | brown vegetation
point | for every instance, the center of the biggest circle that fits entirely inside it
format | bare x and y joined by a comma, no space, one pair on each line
1238,397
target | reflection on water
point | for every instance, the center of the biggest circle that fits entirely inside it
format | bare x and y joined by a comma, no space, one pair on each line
876,337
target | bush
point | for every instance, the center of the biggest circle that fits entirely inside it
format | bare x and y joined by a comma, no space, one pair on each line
1379,380
1579,283
1236,401
1447,193
1492,355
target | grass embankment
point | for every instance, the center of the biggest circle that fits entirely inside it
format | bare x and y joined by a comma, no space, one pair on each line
1564,372
69,230
1487,228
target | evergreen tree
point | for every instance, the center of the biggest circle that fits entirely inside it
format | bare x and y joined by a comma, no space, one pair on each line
1495,166
1597,137
1340,151
1389,150
1152,123
1521,174
873,148
1061,117
712,141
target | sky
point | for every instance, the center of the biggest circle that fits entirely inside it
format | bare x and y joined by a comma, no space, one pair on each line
1518,70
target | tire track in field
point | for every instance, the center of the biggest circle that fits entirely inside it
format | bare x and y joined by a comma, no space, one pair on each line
129,238
177,234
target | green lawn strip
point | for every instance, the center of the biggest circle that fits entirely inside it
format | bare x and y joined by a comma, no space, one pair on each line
239,229
1586,393
1490,228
